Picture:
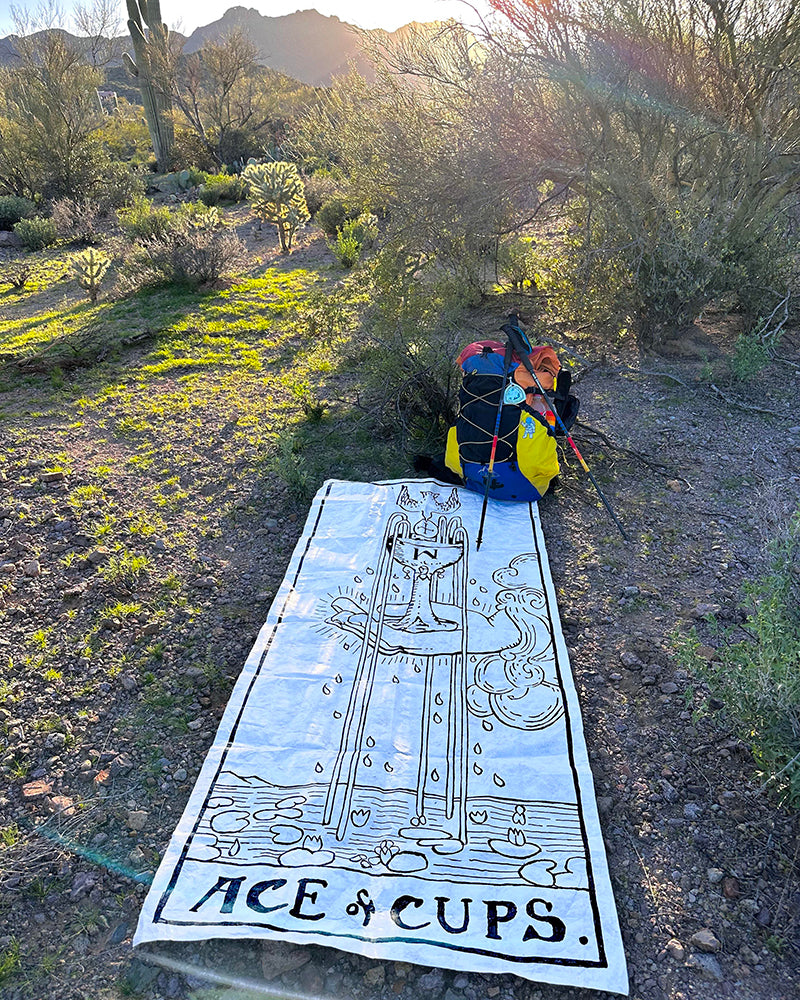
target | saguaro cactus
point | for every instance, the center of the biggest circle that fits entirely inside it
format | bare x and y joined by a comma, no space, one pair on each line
278,196
150,69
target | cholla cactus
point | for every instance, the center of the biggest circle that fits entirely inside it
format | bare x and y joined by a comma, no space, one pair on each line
89,268
150,69
277,196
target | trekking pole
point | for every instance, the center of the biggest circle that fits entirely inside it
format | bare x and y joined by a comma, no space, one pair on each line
522,346
506,367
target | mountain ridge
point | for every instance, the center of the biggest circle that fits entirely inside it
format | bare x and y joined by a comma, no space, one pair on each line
309,46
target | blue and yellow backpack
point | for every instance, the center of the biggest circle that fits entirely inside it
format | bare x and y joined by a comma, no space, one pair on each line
526,460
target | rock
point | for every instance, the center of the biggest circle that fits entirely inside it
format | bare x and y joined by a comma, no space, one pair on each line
128,682
707,965
194,725
668,687
705,940
670,792
731,888
181,774
51,477
31,567
692,810
8,567
630,591
137,819
61,805
630,660
82,885
36,789
701,610
280,957
205,582
9,240
605,803
375,976
121,764
674,485
715,875
764,917
137,856
431,980
707,653
676,950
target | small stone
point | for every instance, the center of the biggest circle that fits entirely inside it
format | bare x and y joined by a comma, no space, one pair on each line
605,803
715,875
676,950
731,888
194,725
159,545
8,567
374,976
61,805
137,819
670,792
668,687
31,567
674,485
82,885
707,653
36,789
707,965
630,591
121,764
181,774
206,582
137,856
764,917
128,682
701,610
692,810
280,957
98,556
630,660
705,940
51,477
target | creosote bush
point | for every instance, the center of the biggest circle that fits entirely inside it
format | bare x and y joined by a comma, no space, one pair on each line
758,678
36,233
13,209
143,220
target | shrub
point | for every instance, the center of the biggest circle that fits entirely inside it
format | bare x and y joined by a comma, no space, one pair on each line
13,209
346,248
355,236
333,214
36,233
758,678
320,187
76,219
143,220
193,251
517,261
222,187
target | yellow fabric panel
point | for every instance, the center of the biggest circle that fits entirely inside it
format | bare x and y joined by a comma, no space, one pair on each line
452,459
537,455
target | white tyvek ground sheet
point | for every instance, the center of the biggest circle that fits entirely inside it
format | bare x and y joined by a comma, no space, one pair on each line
401,770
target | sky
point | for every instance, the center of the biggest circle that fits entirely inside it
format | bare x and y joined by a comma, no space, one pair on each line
190,14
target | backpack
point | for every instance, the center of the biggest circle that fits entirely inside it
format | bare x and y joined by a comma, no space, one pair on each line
526,460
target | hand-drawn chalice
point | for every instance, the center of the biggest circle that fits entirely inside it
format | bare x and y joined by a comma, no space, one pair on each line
425,566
